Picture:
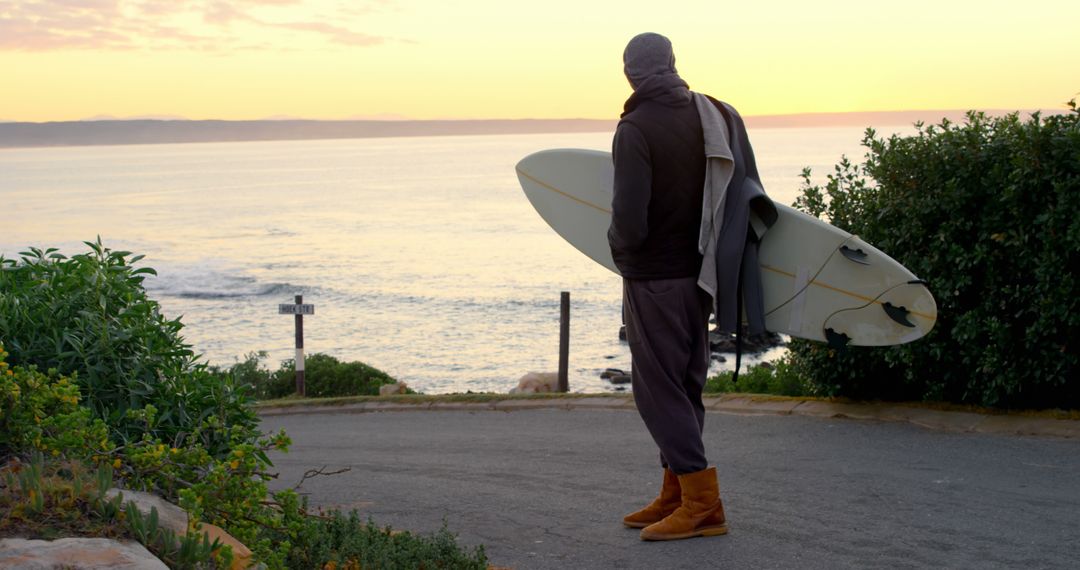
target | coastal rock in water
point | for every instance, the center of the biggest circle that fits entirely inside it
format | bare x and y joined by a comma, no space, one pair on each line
392,389
77,554
615,376
723,342
537,382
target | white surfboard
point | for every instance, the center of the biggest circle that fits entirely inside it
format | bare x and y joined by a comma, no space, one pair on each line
820,282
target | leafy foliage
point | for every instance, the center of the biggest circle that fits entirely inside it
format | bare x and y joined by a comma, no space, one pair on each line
343,541
89,317
986,212
41,411
324,376
779,379
158,420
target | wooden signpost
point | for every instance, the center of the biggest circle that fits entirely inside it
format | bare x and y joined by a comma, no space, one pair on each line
299,309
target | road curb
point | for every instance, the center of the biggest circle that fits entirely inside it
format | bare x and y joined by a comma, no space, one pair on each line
745,404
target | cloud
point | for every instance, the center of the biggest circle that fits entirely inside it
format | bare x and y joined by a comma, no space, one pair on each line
210,25
335,33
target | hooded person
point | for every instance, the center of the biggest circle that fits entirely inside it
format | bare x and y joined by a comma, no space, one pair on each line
678,156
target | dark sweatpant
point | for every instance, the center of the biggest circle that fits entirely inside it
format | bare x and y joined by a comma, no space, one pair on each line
667,326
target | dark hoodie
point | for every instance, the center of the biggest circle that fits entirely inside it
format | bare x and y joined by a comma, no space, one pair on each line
659,158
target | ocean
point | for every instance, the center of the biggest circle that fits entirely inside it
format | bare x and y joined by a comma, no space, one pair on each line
421,255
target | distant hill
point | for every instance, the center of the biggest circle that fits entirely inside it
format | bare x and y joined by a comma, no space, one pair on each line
868,119
157,131
77,133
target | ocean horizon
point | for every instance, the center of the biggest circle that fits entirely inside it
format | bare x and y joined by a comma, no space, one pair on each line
421,255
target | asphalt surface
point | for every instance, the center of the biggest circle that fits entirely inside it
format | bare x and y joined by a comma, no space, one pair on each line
547,488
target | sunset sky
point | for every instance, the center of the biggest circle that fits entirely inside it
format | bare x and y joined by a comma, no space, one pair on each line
425,59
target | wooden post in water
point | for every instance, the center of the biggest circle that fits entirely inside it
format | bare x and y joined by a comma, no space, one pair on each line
300,348
564,341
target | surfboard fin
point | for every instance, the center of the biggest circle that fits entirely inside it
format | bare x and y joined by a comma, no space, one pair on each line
837,340
898,314
856,255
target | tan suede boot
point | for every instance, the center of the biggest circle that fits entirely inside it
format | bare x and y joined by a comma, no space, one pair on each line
701,512
670,498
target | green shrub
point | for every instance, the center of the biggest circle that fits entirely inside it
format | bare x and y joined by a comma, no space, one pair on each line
343,541
89,317
185,431
41,411
324,376
986,212
779,379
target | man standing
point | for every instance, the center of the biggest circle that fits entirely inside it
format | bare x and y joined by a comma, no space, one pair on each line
659,240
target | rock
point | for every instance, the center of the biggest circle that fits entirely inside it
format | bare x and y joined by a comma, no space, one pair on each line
393,389
170,516
241,553
76,554
718,357
615,376
722,342
175,519
622,332
537,382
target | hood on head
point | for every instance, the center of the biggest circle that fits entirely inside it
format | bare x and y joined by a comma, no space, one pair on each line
646,55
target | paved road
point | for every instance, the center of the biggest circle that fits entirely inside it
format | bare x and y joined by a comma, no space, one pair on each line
546,488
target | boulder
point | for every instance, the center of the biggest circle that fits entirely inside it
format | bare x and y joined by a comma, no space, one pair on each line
615,376
241,553
393,389
175,519
76,554
537,382
170,516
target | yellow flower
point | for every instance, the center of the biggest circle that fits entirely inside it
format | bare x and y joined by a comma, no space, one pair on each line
116,463
234,464
174,450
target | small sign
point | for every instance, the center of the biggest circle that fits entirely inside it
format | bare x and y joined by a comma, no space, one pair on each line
293,309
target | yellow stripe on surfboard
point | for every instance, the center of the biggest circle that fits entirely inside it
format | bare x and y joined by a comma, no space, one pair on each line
560,192
844,291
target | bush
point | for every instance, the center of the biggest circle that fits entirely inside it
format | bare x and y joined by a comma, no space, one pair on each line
186,432
324,376
344,541
779,379
41,411
89,317
986,212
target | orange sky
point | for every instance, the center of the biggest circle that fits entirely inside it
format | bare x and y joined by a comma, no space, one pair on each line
251,59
